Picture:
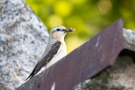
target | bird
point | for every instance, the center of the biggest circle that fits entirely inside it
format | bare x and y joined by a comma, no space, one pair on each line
55,49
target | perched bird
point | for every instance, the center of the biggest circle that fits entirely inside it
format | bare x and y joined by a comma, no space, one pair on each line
55,50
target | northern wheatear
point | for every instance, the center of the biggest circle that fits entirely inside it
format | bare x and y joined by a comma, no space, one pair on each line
55,50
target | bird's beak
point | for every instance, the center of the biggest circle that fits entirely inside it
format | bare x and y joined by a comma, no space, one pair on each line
69,29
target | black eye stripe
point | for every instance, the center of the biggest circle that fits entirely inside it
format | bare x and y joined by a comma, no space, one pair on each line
58,29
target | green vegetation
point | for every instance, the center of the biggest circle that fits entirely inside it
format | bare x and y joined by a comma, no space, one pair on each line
88,16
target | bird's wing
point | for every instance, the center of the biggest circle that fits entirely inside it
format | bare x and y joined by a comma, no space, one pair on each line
55,47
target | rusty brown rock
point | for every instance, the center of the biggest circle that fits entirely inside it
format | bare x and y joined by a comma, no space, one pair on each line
86,61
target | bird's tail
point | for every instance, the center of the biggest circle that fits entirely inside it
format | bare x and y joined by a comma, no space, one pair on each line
30,76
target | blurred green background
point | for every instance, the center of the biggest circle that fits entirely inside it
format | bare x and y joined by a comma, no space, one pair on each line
89,17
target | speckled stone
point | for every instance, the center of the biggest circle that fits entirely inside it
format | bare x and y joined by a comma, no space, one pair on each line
129,35
23,39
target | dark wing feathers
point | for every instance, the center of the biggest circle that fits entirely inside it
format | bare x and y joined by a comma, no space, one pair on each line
45,60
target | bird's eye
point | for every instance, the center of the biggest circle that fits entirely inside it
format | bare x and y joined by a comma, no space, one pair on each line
58,29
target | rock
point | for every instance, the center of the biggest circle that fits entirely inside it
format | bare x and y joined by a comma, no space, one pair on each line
121,76
129,35
32,84
23,39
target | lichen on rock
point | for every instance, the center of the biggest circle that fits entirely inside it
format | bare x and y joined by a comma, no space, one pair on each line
121,76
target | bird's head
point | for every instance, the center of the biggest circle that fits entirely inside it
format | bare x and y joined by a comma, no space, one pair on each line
59,32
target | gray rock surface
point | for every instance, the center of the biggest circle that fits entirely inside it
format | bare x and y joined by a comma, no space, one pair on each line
129,35
23,38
